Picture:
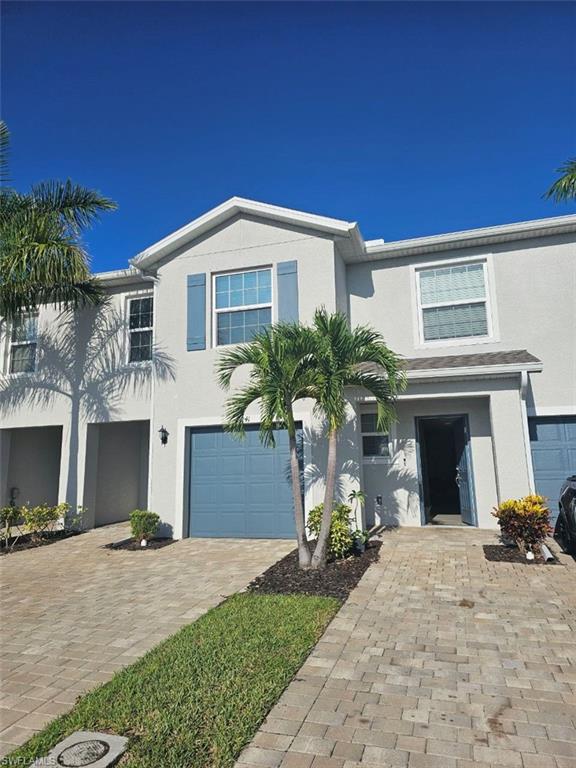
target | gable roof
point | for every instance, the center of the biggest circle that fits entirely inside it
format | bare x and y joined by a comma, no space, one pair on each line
347,234
347,230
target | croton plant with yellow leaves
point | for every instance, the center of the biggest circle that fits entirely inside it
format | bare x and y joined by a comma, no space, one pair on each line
525,521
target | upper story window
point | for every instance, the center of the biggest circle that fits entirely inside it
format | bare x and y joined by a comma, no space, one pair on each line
453,301
242,305
23,344
141,323
375,444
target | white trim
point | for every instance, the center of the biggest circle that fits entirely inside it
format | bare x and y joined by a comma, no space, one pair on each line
238,205
475,371
27,343
143,293
552,410
373,459
214,311
217,421
376,250
491,337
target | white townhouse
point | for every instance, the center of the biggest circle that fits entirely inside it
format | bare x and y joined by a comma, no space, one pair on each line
119,408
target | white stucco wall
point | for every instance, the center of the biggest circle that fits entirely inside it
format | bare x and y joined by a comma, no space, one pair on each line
194,396
532,296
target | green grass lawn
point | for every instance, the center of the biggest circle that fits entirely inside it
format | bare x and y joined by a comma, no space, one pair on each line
197,698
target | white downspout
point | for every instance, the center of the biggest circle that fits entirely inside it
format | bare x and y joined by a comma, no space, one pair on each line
526,430
154,280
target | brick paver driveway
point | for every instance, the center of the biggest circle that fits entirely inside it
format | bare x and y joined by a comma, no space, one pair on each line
439,659
72,613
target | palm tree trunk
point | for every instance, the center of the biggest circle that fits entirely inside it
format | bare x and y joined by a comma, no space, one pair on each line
321,552
304,556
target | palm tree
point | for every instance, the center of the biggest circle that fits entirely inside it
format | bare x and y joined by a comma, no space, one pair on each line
564,188
345,358
280,374
42,258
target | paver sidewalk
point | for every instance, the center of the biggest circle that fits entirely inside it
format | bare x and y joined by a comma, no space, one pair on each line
73,613
439,659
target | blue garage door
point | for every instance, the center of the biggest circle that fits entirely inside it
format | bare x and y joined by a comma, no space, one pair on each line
553,443
240,488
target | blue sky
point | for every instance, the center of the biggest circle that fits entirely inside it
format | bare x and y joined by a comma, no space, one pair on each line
410,118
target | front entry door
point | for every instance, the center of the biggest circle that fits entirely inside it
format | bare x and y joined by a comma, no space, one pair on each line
463,470
445,467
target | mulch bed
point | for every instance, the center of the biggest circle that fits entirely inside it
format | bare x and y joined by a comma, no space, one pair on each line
27,542
337,580
133,545
498,553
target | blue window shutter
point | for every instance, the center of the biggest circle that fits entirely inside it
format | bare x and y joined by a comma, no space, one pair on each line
196,312
287,272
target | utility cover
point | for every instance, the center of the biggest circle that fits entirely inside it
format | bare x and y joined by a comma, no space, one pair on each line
85,748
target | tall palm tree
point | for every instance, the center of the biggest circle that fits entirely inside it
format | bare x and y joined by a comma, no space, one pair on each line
280,374
564,188
345,358
42,258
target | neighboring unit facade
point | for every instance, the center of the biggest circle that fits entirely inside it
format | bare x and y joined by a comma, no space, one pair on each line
120,409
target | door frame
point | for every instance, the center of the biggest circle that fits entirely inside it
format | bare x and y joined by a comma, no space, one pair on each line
452,417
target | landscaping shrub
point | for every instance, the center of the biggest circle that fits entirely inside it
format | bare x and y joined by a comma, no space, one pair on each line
42,518
9,517
144,524
525,521
341,538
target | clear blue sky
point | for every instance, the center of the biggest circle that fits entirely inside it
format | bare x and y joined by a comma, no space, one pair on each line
410,118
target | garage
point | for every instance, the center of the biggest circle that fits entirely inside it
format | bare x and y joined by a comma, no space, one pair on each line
553,444
239,488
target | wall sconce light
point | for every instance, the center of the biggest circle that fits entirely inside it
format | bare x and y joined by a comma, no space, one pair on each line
163,432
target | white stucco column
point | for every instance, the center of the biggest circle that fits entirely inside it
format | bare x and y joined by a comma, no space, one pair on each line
508,436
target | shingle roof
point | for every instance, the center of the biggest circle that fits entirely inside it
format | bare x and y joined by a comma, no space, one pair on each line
514,357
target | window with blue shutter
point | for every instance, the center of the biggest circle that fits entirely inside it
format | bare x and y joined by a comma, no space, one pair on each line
242,305
453,301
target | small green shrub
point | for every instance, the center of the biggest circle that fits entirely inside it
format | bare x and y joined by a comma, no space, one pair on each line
341,539
144,524
42,518
73,519
9,517
525,521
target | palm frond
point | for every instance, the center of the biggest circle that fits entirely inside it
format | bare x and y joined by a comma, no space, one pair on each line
77,206
564,188
4,147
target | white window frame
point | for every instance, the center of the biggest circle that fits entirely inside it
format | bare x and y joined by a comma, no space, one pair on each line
129,298
11,344
491,321
243,307
374,459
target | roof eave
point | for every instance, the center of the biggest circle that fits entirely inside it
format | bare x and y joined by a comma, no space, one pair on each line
475,371
235,206
376,250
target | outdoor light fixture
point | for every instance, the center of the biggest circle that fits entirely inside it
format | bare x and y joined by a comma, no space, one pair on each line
163,432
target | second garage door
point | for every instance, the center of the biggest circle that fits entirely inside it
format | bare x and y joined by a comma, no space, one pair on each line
553,443
240,488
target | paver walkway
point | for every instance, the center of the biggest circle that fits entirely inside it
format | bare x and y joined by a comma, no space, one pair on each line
72,613
439,659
